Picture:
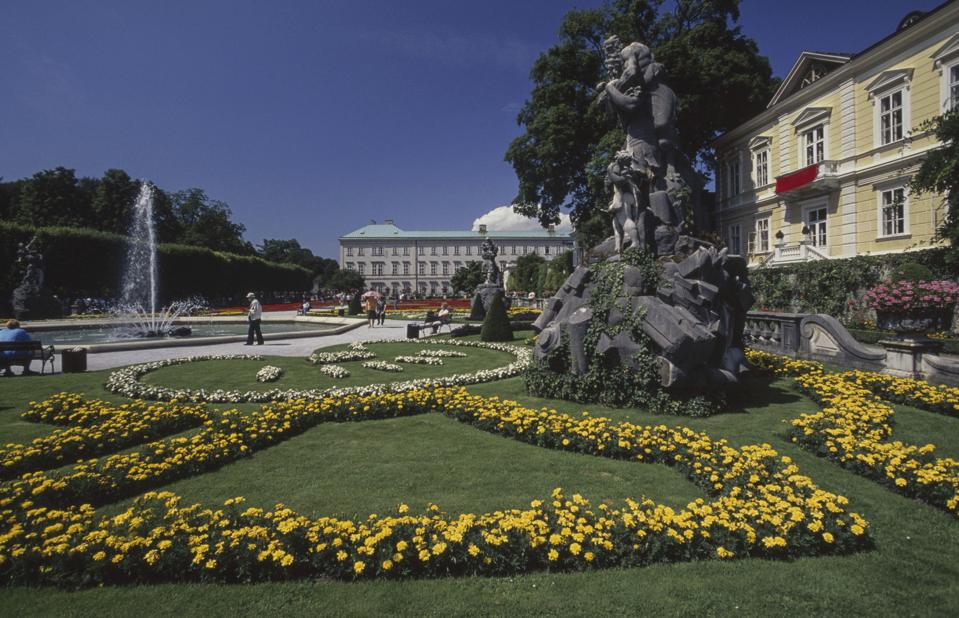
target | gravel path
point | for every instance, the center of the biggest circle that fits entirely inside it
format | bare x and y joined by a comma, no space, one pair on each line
392,329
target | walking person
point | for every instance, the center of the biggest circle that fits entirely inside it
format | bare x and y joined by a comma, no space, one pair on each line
369,305
254,315
381,310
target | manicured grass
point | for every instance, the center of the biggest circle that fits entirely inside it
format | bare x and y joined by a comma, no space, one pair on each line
300,374
367,467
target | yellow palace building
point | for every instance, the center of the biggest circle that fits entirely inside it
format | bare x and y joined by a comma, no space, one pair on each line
824,171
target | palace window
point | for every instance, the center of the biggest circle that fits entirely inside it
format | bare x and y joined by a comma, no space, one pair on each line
893,212
814,145
433,268
469,249
446,250
406,268
349,251
761,165
456,250
396,268
432,250
377,268
735,239
421,268
446,268
359,251
816,222
421,250
732,177
953,87
759,237
350,266
546,250
890,118
361,268
396,250
406,250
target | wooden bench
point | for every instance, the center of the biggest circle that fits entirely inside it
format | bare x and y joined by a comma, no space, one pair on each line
26,350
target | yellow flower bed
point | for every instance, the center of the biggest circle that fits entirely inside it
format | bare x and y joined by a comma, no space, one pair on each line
759,505
854,427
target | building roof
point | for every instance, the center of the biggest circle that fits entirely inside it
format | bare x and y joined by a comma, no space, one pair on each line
381,231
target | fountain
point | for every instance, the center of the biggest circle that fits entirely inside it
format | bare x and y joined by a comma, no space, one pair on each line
139,287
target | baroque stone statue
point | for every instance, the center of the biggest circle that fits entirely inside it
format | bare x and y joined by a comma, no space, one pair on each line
489,252
693,316
483,296
31,300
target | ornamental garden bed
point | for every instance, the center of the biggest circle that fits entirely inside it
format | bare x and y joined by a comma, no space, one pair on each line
350,470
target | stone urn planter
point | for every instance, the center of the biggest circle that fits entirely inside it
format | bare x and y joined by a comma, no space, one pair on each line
916,322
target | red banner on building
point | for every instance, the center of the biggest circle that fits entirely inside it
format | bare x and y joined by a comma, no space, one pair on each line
797,179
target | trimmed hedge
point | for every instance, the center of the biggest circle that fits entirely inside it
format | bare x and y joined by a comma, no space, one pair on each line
828,286
84,262
496,326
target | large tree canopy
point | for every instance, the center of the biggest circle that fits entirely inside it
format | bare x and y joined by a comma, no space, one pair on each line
717,73
939,173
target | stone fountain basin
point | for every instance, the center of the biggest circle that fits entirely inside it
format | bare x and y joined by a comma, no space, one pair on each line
273,327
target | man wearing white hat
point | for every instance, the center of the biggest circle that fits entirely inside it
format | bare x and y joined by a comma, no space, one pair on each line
254,315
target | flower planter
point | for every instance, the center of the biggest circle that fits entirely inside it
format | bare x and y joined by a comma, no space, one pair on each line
914,322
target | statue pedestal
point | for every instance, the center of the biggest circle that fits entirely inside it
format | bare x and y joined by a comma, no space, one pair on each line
485,293
904,357
34,303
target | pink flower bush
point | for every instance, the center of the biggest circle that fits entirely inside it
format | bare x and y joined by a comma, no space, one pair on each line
906,296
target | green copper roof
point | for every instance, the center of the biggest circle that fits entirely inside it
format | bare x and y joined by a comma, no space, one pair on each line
382,231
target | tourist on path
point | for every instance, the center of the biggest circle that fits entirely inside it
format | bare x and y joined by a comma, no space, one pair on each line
254,315
13,333
381,310
369,305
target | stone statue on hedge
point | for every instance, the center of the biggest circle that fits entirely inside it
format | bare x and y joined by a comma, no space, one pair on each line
483,296
654,299
31,300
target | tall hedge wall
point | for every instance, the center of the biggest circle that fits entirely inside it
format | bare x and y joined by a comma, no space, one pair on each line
827,286
83,262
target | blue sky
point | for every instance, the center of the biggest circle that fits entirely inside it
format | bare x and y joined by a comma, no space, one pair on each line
310,118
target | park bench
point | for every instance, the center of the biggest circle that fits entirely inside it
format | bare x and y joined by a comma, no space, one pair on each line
33,350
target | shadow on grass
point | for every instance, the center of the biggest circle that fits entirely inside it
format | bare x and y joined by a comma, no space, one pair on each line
757,392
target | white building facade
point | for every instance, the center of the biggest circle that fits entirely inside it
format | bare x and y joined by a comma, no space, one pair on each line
397,261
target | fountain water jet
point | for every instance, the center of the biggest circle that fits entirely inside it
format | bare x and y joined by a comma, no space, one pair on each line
139,288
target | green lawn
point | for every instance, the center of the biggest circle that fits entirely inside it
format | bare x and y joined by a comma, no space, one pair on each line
361,468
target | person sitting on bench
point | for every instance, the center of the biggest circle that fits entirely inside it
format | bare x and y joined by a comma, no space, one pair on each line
13,333
442,318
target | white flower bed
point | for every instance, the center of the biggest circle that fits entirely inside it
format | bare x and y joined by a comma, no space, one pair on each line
419,360
383,366
441,354
358,345
269,374
324,358
334,371
126,381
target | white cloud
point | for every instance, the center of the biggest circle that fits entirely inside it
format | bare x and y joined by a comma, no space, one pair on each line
503,219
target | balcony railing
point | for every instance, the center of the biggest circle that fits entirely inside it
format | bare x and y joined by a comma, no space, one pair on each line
809,181
803,251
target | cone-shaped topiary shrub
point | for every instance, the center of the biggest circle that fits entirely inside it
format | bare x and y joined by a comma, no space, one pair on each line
356,307
496,325
477,311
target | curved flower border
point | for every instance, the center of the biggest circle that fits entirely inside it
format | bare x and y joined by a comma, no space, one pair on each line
127,382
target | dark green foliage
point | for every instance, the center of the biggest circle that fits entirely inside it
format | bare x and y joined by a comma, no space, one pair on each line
561,158
911,271
477,310
345,280
356,307
834,286
290,252
206,222
496,326
604,382
939,173
526,276
55,197
466,278
113,202
83,262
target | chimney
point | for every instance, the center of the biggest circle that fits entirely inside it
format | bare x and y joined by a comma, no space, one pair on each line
482,229
372,221
388,222
551,229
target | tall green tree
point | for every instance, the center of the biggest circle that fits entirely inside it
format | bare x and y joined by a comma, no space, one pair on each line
113,201
466,278
526,275
55,197
345,280
206,222
939,173
561,158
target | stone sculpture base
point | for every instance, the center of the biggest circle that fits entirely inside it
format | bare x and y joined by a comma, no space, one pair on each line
34,303
485,293
694,320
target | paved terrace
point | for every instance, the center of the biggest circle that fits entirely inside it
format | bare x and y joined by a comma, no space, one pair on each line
299,347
